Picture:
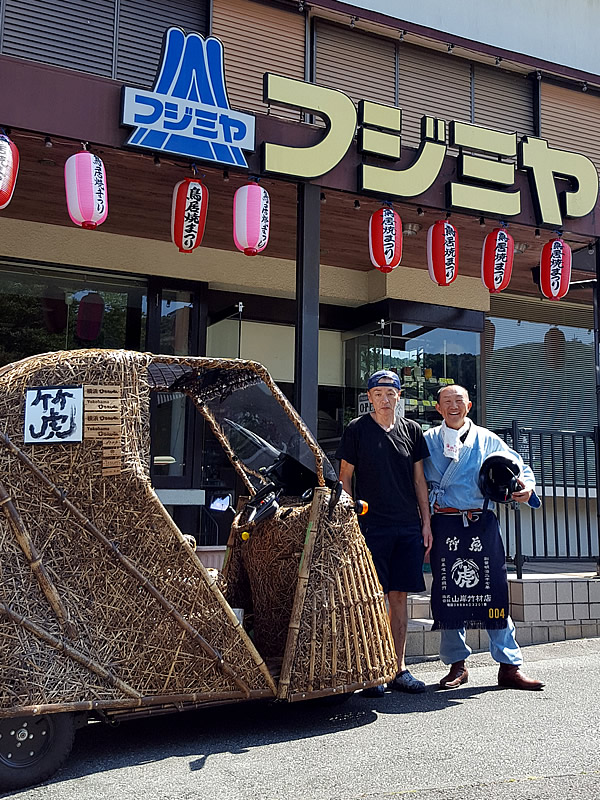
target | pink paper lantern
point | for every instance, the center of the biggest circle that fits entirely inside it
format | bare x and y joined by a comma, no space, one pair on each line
85,186
385,239
188,214
497,259
9,168
555,269
442,252
251,218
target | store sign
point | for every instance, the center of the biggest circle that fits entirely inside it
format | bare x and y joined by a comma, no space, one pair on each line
53,415
187,113
486,160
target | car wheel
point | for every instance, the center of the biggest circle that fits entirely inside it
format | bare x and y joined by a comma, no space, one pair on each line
33,748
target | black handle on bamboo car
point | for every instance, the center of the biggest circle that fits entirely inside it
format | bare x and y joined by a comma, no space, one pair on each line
334,499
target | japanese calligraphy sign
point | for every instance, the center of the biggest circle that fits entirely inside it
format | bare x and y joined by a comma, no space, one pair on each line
188,214
188,112
497,260
555,269
442,252
53,415
385,239
9,167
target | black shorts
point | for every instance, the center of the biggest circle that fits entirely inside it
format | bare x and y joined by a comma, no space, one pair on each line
398,554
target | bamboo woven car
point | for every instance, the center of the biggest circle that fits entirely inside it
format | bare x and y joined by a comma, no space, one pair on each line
106,610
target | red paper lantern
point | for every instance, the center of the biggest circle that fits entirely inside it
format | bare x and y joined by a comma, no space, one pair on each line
497,259
251,215
9,168
555,269
442,252
188,214
385,239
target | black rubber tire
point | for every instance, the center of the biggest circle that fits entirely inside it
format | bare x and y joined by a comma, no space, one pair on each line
33,748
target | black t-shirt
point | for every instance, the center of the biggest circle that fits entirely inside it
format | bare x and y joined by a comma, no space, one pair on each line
383,466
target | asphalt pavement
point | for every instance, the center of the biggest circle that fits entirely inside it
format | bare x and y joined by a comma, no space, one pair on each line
477,742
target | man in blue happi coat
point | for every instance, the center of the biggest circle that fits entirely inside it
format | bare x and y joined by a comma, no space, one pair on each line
470,588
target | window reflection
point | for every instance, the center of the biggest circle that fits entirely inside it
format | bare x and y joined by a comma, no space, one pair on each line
426,358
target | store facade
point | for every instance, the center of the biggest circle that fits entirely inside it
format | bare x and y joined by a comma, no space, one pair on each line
311,307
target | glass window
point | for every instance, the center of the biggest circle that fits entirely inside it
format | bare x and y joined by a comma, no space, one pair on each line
541,375
426,359
46,309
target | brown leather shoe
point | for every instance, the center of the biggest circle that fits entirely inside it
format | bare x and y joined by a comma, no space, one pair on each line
458,675
511,677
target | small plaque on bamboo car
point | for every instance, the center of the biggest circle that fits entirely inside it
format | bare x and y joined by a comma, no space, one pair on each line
109,406
102,431
53,414
110,463
110,450
101,392
97,418
108,471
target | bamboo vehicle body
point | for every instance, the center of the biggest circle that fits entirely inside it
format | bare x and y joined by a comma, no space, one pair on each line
107,611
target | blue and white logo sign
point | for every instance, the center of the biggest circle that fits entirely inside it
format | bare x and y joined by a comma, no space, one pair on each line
187,113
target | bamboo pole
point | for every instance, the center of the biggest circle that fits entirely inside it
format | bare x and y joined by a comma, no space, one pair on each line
333,633
346,620
179,702
300,595
35,562
372,601
313,644
353,624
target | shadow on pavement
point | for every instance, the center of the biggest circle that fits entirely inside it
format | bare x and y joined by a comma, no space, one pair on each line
197,735
236,729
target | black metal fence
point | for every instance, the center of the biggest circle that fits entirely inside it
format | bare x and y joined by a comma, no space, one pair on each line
566,527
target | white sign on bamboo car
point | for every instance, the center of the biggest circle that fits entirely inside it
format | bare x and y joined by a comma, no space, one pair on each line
53,415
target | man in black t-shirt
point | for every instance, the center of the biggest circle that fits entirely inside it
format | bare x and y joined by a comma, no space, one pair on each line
385,455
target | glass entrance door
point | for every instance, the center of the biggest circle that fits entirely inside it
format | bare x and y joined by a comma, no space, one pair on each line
426,358
172,331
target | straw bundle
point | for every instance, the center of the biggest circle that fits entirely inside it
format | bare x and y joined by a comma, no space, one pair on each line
339,631
102,602
267,564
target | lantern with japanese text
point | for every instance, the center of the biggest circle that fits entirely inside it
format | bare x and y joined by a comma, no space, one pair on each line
385,239
85,186
442,252
251,218
9,167
555,269
188,214
497,258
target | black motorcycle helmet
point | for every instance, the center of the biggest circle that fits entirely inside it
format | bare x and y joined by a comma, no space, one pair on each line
499,477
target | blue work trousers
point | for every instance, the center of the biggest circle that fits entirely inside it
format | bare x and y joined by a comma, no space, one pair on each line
503,645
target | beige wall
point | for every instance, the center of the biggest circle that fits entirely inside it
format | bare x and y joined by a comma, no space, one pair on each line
224,269
273,346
